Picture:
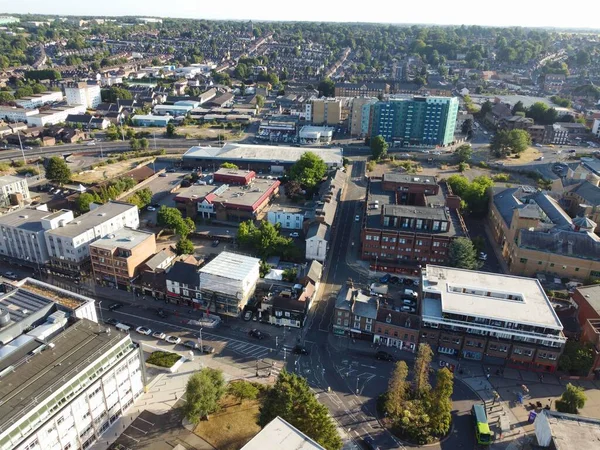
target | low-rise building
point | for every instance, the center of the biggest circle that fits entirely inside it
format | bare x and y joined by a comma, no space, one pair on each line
227,283
173,110
289,217
495,319
361,89
287,437
587,299
355,314
183,283
37,100
23,235
563,431
397,329
515,123
312,135
87,122
13,190
290,307
13,114
317,241
55,115
149,120
116,256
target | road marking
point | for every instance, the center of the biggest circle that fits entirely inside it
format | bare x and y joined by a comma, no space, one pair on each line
370,367
144,420
142,431
132,438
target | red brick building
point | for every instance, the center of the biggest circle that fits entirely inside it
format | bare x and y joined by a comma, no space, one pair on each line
588,316
234,176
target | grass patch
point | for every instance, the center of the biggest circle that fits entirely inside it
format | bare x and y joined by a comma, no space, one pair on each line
233,426
4,167
163,359
409,166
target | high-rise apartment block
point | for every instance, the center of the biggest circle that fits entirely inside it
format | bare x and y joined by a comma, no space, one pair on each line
82,93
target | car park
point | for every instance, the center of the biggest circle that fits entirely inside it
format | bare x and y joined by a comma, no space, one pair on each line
409,302
257,334
384,356
410,293
409,309
159,335
144,330
173,339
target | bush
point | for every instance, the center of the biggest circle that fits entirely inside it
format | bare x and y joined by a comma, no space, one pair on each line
163,359
370,166
4,167
28,170
483,165
501,177
18,163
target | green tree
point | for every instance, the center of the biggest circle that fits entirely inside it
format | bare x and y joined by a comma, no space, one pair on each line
309,170
292,400
462,254
577,358
413,422
203,391
144,144
184,247
57,170
440,403
6,97
571,400
228,165
379,148
289,275
170,130
141,198
398,390
83,202
260,101
486,107
326,88
421,386
242,390
464,153
135,144
506,142
467,127
518,107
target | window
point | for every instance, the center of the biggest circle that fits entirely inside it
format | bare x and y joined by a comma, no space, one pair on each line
523,260
576,269
436,244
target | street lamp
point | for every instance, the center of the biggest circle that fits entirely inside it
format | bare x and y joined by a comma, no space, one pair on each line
100,309
200,337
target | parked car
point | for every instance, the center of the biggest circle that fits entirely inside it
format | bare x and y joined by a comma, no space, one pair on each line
115,306
170,170
408,282
301,350
111,321
151,208
207,349
257,334
144,330
483,256
10,275
191,344
159,335
91,143
357,218
248,316
173,339
215,243
410,293
385,278
384,356
395,280
370,443
162,174
294,235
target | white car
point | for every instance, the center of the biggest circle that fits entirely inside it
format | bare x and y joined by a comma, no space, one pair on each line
143,330
151,208
483,256
91,143
294,235
159,335
173,339
357,218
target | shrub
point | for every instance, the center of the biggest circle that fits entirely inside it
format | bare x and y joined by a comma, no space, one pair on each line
163,359
4,167
18,163
501,177
28,170
370,166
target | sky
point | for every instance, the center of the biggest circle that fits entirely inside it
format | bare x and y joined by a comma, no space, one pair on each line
526,13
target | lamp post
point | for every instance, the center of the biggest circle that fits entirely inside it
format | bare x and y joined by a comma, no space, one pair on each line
100,310
201,346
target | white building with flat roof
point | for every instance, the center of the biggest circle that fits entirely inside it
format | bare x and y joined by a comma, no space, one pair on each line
55,115
13,189
22,235
314,135
37,100
561,431
83,93
13,114
285,435
228,281
288,217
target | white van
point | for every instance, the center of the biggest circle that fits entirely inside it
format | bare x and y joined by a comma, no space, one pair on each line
410,293
122,327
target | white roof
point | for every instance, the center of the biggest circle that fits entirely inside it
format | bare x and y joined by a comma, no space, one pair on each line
488,295
231,265
124,238
281,435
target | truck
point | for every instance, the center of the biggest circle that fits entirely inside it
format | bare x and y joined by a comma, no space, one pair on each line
379,288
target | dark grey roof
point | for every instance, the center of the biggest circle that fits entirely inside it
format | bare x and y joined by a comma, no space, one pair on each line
552,209
408,178
315,269
155,260
317,230
184,273
563,242
419,212
589,192
505,202
289,304
78,118
359,85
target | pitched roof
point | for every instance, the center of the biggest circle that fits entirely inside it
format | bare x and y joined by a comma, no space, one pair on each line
317,230
184,273
564,242
588,191
315,269
505,202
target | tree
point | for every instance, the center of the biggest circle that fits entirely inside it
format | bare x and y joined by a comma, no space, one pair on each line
203,391
57,170
421,386
242,390
397,389
462,254
144,144
571,400
519,107
326,88
467,127
577,358
440,404
184,247
486,107
292,400
83,202
506,142
228,165
464,153
260,101
289,275
171,218
309,170
379,148
170,130
6,97
266,240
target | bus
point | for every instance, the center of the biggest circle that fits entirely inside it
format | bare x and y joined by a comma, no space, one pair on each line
482,429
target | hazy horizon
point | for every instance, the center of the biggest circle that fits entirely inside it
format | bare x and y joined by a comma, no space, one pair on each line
470,12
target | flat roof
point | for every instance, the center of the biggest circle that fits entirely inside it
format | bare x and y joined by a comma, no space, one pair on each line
10,179
125,238
231,265
483,294
92,219
234,195
573,432
34,382
591,295
280,434
409,178
421,212
67,299
234,172
150,117
21,304
262,153
24,219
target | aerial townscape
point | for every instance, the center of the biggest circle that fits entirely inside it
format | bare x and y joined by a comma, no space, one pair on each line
282,233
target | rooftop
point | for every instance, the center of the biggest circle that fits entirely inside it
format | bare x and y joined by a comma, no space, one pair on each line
422,212
408,178
24,219
125,238
356,301
262,153
568,431
73,350
591,295
92,219
229,195
280,434
184,273
488,295
10,179
67,299
231,265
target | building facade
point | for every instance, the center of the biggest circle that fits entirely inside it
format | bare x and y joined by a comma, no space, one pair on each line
288,217
397,329
361,89
37,100
495,319
428,121
326,111
23,235
13,190
12,114
55,115
317,242
359,106
83,93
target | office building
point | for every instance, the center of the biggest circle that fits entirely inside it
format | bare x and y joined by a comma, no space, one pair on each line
13,190
37,100
68,238
22,235
315,135
83,93
326,111
416,121
227,283
496,319
116,256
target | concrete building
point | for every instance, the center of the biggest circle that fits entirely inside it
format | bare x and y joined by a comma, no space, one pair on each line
361,89
561,431
286,436
149,120
13,190
536,235
408,220
37,100
416,121
116,257
22,235
312,135
290,218
596,128
273,159
68,239
83,93
173,110
496,319
359,107
317,242
13,114
326,111
227,283
55,115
